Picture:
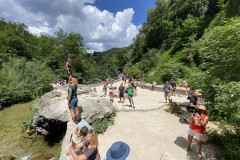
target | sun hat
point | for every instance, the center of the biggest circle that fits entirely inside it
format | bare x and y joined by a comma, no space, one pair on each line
202,107
196,93
118,151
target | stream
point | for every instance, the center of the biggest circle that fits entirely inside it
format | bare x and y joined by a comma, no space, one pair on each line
14,142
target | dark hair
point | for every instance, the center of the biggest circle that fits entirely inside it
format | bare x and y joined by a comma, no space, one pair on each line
84,131
77,118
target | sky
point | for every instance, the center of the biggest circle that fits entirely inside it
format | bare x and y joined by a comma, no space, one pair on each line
104,24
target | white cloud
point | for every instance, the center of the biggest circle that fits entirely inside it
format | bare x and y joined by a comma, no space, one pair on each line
101,30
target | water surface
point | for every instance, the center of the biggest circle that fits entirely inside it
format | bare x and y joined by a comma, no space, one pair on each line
12,139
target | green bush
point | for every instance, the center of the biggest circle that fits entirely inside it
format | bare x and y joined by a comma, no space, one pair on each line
230,141
101,125
27,124
23,80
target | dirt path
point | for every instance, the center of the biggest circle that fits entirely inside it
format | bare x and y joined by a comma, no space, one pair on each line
150,133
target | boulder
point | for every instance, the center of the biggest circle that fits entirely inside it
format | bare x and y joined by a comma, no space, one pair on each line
52,113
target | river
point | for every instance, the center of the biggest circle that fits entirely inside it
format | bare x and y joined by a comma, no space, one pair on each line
12,139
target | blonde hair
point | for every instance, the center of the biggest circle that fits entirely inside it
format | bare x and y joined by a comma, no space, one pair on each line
95,139
75,82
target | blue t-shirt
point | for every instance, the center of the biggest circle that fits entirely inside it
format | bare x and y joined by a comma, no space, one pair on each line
121,89
167,88
82,124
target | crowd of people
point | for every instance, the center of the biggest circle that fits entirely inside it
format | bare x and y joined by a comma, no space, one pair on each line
87,149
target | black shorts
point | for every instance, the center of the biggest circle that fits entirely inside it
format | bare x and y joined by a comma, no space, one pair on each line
70,71
121,95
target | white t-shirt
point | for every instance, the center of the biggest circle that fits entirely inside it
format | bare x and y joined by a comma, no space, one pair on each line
111,85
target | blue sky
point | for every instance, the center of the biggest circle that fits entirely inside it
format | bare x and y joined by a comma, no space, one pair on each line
139,7
104,24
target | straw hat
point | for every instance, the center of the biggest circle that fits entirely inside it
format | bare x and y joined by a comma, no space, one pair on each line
203,108
196,93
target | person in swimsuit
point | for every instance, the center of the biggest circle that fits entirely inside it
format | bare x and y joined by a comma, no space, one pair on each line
184,88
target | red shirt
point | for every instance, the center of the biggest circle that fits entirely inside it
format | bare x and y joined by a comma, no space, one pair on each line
196,126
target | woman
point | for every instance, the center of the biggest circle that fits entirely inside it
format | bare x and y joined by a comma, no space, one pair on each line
72,98
197,128
88,148
69,67
185,88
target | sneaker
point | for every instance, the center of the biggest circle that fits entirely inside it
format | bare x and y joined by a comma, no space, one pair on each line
133,107
130,106
200,156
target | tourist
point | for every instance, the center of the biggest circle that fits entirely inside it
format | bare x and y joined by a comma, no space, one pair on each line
54,86
72,98
154,84
130,95
80,124
111,91
105,89
135,84
167,90
121,91
193,107
69,67
118,151
174,86
197,128
88,148
184,88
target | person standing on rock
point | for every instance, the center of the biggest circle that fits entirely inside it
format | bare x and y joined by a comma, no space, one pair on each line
130,95
105,89
72,98
69,68
167,90
111,91
121,91
197,128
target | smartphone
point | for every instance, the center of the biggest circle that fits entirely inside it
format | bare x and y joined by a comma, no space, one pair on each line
71,137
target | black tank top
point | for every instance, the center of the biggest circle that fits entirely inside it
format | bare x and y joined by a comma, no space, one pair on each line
69,66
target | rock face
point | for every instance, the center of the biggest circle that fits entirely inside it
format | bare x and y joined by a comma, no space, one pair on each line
52,113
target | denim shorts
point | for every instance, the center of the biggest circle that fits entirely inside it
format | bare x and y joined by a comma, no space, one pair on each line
130,98
73,103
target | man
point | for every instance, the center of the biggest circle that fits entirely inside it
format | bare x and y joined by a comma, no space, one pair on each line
111,91
166,89
193,107
121,91
174,86
154,83
130,95
81,123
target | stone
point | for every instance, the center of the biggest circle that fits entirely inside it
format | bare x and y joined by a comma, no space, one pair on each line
52,113
166,156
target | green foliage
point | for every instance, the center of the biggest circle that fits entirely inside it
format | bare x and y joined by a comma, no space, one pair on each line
229,141
28,123
101,125
220,51
226,104
57,156
22,80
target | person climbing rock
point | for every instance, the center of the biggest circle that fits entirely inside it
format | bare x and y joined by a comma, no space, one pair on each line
72,98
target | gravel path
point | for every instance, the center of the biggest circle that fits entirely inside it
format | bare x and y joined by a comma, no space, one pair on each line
149,130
